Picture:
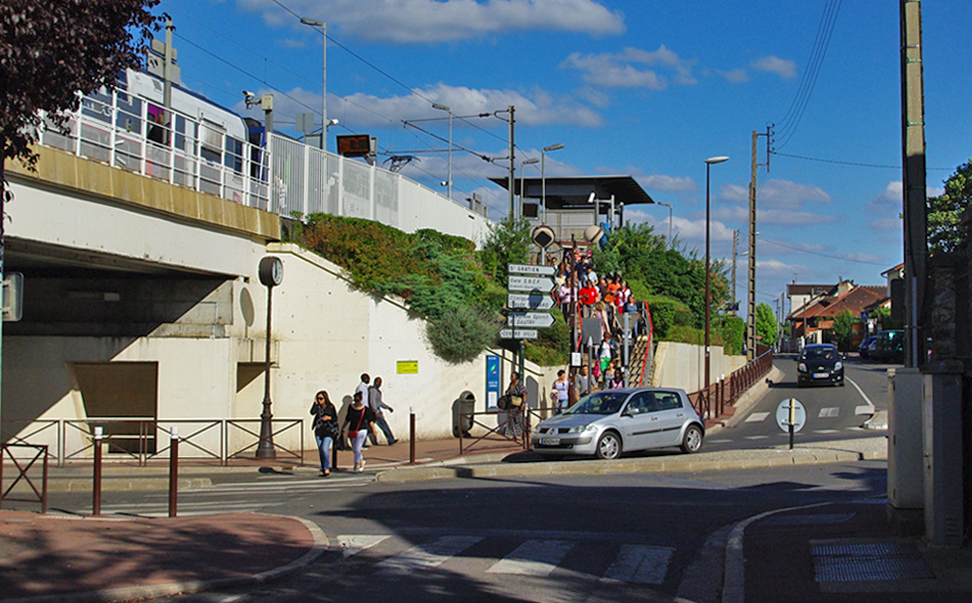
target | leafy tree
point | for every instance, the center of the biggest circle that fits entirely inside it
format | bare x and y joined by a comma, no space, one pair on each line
51,50
766,327
508,243
884,319
844,329
944,211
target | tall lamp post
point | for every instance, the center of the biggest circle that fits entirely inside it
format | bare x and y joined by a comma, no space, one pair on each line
525,163
543,175
324,124
670,220
449,109
708,298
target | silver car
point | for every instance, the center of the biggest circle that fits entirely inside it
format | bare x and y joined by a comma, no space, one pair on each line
607,423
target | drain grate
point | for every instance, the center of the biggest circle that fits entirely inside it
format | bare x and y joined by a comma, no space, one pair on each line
816,519
859,561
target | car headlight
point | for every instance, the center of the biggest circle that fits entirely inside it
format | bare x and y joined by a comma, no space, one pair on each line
582,428
838,366
802,367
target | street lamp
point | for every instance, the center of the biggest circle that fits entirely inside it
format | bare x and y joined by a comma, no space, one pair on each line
449,109
669,206
543,176
708,301
526,162
324,124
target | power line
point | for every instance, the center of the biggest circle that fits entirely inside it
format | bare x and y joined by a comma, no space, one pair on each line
851,163
817,253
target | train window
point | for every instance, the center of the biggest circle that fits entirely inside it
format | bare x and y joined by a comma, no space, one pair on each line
234,154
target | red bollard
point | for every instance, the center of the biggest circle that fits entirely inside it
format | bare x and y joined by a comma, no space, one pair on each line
96,485
174,472
411,436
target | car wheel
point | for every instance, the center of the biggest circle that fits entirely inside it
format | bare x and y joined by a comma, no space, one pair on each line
692,442
609,446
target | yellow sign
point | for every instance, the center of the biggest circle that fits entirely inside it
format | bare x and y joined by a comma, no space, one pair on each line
408,367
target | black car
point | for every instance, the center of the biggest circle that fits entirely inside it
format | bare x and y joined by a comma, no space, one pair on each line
867,346
820,363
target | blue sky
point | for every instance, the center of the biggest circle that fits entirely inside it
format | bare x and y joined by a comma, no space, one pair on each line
643,88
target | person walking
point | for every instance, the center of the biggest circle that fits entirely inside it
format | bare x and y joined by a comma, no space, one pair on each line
376,404
326,428
582,382
363,390
516,392
358,420
560,392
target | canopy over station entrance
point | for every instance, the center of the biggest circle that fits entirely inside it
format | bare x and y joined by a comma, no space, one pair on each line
575,202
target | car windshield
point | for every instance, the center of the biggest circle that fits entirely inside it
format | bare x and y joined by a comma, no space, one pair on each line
600,403
820,354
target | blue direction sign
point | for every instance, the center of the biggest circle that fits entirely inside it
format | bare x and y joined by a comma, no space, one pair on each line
529,301
540,284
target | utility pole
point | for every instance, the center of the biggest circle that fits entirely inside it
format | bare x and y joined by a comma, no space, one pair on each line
751,283
735,242
913,159
512,176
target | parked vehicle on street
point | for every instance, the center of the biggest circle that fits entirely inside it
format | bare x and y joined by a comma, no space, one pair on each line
889,346
607,423
820,363
867,346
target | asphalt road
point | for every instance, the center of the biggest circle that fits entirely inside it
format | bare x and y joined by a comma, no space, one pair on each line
833,413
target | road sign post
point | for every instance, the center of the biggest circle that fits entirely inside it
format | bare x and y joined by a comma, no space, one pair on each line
791,416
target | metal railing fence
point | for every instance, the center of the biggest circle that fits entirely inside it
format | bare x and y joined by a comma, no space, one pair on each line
713,401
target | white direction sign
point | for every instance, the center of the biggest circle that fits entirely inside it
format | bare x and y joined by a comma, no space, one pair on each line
536,270
528,301
536,320
518,334
541,284
790,412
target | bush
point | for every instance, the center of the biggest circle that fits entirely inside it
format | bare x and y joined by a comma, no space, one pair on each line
666,313
461,333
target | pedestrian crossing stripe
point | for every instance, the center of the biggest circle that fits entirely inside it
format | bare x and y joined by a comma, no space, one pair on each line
533,558
826,413
757,417
634,563
428,556
640,564
352,545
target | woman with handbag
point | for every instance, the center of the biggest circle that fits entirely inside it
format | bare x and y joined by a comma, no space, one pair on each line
516,392
325,427
359,419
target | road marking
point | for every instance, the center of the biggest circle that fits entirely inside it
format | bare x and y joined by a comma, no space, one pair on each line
832,412
757,437
718,441
640,564
826,431
756,417
863,410
427,556
533,558
863,395
352,544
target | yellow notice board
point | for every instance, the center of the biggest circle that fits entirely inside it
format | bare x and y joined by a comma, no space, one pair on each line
408,367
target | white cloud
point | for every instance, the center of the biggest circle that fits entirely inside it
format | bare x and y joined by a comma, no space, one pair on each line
887,225
659,182
619,70
784,69
535,108
432,21
791,218
736,76
782,194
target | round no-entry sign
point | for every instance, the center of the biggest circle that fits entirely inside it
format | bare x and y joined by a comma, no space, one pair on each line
791,412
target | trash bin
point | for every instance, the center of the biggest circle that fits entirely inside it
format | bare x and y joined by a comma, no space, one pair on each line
465,403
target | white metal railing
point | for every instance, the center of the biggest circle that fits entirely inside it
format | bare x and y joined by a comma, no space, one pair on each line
288,177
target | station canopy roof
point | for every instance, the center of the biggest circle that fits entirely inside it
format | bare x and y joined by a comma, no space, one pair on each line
573,192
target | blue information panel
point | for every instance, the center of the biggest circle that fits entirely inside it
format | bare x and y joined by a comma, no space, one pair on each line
492,382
